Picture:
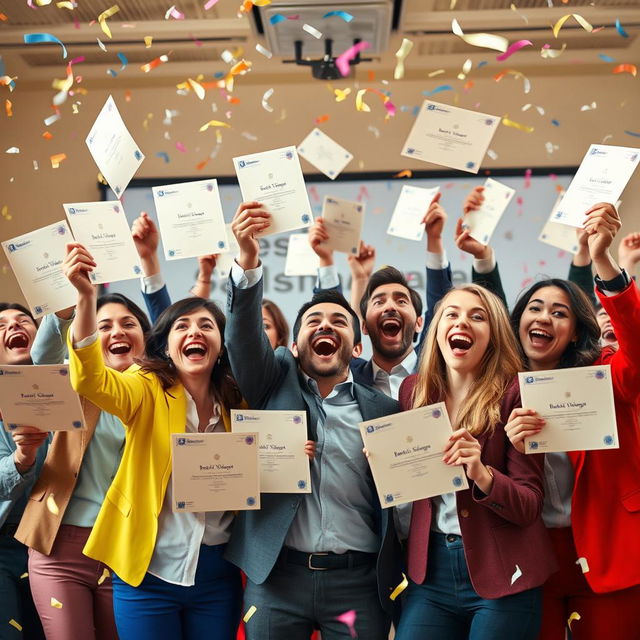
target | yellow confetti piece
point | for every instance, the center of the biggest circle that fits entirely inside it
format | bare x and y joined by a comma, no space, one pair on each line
361,105
547,52
341,94
24,575
148,40
574,616
101,179
56,160
56,604
515,74
250,611
198,88
401,55
51,503
437,72
65,5
486,40
466,67
102,19
405,583
8,107
238,68
104,576
214,123
15,624
516,125
577,17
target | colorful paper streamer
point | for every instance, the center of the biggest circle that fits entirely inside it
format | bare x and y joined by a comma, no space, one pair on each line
38,38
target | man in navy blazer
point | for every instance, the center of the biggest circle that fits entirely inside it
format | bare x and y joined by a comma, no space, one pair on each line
309,558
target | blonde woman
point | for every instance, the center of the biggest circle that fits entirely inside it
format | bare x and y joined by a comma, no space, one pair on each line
476,558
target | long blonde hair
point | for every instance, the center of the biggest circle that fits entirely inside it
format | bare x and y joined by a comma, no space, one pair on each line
480,410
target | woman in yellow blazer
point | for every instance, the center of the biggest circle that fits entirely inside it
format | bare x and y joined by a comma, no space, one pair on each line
170,579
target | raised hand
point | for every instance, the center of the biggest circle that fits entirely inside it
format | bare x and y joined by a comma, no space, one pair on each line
629,251
250,219
362,265
318,237
76,266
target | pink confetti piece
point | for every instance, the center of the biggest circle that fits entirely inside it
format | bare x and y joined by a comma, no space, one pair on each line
527,179
313,191
363,193
181,147
349,618
209,4
343,60
516,46
172,12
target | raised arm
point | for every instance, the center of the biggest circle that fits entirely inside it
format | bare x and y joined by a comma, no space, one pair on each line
328,277
50,344
629,252
361,267
202,286
580,272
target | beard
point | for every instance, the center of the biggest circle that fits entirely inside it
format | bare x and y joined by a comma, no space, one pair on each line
391,352
315,369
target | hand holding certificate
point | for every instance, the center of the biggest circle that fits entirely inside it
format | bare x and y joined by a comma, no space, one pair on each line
284,466
483,221
343,222
577,405
405,454
215,471
39,396
413,203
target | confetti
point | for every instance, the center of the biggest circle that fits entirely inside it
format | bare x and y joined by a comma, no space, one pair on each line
527,179
24,575
47,135
154,63
486,40
51,119
516,574
164,155
401,55
438,72
172,12
516,46
466,67
626,68
343,60
264,51
56,604
577,17
404,583
249,136
15,624
515,74
13,150
312,30
209,4
574,616
104,576
37,38
620,30
584,565
8,107
341,94
321,119
214,123
349,618
66,4
632,133
265,100
276,18
589,107
104,16
492,154
555,123
442,87
515,10
374,130
528,106
101,45
548,52
35,166
347,17
181,147
56,160
197,87
606,58
250,611
8,82
516,125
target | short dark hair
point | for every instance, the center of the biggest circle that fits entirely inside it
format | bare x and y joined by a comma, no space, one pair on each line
279,322
6,306
222,384
586,349
328,296
388,275
130,305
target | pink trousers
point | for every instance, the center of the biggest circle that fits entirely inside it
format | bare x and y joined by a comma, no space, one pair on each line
72,579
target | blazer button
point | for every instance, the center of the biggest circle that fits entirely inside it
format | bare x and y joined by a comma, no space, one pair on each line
464,513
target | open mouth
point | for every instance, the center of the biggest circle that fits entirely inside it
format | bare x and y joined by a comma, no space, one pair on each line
390,327
195,351
119,348
540,337
18,341
609,335
460,343
325,345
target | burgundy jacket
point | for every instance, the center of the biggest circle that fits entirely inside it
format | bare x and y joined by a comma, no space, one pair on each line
502,532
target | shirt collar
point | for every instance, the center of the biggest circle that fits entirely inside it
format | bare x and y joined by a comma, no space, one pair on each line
344,386
406,367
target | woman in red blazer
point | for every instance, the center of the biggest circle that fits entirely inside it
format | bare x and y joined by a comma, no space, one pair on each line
592,506
476,558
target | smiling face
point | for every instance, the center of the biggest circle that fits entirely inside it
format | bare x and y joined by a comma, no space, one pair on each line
17,331
547,326
607,335
463,331
194,343
325,341
121,336
391,321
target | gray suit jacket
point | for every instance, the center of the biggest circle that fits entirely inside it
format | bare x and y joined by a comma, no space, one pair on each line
272,380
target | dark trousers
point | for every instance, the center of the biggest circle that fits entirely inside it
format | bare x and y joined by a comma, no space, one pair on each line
295,600
446,606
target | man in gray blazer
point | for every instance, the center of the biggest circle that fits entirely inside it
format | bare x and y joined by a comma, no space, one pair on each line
310,557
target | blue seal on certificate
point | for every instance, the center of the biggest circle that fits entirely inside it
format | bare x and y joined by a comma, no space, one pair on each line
370,429
136,269
470,165
182,442
529,379
137,155
62,372
221,244
38,309
457,481
608,440
302,484
180,504
305,218
436,413
388,498
297,419
171,253
251,501
600,376
249,440
76,424
533,445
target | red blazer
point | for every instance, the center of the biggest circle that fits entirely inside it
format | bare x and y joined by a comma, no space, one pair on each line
605,508
501,531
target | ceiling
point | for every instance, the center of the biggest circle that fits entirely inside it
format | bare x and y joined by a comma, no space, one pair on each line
207,42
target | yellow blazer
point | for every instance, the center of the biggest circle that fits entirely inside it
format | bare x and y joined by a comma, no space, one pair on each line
124,534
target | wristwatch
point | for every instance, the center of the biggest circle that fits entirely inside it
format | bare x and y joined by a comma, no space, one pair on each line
619,283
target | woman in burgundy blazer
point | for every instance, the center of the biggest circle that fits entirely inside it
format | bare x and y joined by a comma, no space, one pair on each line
478,557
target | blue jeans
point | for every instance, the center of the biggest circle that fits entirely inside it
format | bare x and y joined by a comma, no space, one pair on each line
446,606
157,609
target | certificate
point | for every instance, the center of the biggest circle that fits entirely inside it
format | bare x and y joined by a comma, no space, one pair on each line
226,257
578,406
301,260
103,229
215,471
450,136
190,219
405,455
274,178
559,235
113,149
410,210
324,153
601,177
482,223
343,222
36,259
284,466
39,396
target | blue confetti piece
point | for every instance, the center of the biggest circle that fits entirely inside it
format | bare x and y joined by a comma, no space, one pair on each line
632,133
347,17
482,64
2,67
164,155
37,38
218,74
555,123
123,59
277,18
620,30
606,58
442,87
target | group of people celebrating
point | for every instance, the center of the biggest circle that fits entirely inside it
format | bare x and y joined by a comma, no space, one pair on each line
535,541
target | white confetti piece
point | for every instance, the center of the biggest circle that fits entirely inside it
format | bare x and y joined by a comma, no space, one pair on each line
589,107
101,45
35,168
492,154
516,574
249,136
584,565
312,31
13,150
374,130
51,119
56,604
264,51
265,100
250,611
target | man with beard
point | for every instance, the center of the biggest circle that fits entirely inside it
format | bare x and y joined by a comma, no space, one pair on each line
310,557
21,458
